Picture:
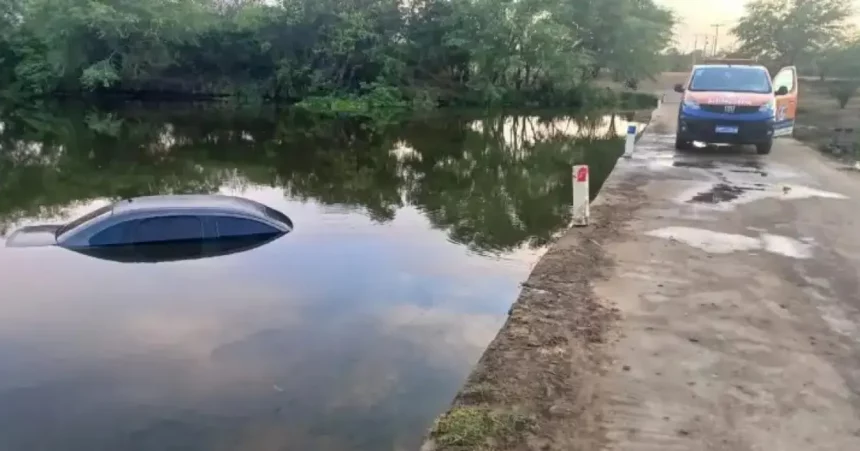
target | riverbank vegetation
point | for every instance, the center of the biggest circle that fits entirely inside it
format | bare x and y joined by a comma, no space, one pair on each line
421,53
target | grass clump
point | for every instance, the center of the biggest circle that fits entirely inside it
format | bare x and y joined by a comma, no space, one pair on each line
478,428
843,91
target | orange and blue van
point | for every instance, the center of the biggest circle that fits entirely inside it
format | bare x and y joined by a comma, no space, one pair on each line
736,103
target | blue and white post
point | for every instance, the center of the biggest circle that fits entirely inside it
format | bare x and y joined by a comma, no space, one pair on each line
581,198
630,144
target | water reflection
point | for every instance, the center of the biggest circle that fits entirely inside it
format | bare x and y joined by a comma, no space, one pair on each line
350,335
493,183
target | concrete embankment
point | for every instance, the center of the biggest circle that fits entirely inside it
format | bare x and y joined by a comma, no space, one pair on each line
713,304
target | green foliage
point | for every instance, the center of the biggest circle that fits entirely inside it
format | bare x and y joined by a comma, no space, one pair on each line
840,61
373,52
377,101
782,32
101,74
673,60
473,427
624,37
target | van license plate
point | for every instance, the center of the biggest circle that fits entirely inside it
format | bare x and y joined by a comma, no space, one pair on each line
727,129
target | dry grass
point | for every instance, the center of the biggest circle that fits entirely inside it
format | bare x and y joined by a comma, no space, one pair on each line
819,115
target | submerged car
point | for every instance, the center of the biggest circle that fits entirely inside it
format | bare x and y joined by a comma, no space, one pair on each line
736,103
175,251
152,220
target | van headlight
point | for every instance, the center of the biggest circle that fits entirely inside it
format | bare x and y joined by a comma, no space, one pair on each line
692,104
768,107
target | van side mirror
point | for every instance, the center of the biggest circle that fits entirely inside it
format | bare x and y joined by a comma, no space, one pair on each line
679,88
782,91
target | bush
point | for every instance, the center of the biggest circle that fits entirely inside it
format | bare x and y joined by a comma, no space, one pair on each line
843,91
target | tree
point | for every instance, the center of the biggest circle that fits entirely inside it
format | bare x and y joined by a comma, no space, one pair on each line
842,61
622,36
10,21
779,32
520,52
676,61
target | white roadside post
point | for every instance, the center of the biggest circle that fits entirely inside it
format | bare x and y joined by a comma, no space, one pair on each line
581,198
630,144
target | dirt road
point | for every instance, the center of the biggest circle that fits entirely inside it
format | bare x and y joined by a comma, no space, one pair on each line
713,305
738,285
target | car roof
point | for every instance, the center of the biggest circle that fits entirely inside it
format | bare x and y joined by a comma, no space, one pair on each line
215,202
728,66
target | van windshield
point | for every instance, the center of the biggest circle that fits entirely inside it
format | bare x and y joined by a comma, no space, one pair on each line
731,79
89,216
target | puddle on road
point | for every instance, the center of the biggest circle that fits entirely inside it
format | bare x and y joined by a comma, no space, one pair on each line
737,181
725,243
721,192
726,195
694,164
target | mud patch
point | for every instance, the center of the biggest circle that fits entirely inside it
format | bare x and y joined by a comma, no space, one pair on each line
749,171
751,164
723,192
694,164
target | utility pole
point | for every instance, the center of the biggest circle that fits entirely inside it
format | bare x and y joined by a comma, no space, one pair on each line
716,35
695,49
697,38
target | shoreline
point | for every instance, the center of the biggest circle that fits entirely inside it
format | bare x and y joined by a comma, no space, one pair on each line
539,374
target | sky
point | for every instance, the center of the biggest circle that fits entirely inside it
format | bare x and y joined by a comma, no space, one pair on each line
697,16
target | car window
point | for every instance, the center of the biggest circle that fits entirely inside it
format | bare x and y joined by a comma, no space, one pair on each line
114,235
236,227
87,217
731,79
168,228
785,78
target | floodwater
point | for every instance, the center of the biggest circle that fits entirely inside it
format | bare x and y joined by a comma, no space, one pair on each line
350,333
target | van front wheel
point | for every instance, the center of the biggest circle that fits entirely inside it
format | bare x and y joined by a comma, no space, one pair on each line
764,148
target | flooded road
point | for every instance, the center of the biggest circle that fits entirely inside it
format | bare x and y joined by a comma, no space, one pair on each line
349,333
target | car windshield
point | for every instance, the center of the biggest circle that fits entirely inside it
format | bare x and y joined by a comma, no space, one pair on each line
731,79
91,215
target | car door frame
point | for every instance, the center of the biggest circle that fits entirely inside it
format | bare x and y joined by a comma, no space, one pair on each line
785,113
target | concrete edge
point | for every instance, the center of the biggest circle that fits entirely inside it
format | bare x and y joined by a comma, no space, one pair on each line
547,359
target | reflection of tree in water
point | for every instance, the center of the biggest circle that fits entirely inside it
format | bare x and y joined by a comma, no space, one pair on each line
344,162
510,181
48,162
494,184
